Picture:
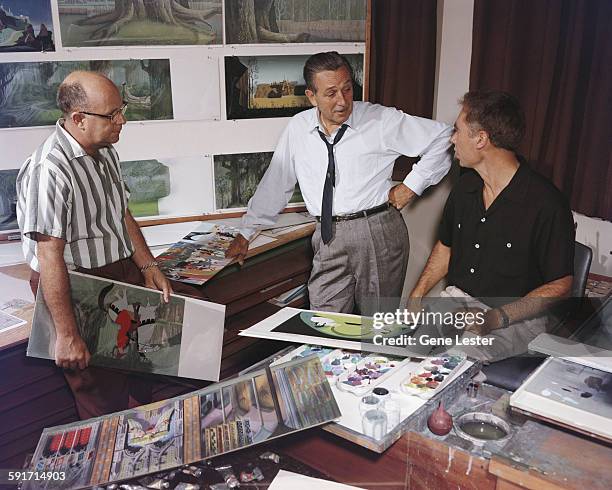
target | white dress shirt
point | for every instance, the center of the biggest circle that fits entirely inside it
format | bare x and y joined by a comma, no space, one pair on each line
364,159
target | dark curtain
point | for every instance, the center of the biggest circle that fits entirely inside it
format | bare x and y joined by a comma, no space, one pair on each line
556,57
403,59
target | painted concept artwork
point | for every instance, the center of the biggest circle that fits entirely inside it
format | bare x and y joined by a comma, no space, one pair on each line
328,329
273,86
26,26
92,23
132,328
71,450
148,181
199,255
28,90
8,199
574,385
295,21
237,176
251,409
148,439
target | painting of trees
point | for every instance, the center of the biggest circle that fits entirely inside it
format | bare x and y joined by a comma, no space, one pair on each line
294,21
141,22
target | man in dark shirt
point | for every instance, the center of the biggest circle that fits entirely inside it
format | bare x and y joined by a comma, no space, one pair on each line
507,233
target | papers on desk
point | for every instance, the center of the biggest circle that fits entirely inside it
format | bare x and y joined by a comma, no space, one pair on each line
287,479
8,322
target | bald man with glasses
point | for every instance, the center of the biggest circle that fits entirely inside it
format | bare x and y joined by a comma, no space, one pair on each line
73,214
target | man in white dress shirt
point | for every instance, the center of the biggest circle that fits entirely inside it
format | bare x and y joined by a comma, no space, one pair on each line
342,154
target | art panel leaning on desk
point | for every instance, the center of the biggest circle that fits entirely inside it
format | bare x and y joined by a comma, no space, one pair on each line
342,154
507,233
72,212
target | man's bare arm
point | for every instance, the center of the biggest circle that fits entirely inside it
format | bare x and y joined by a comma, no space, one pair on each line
435,269
70,349
154,278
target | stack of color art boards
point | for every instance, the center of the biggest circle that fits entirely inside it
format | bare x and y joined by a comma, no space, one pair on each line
198,256
131,328
253,408
338,330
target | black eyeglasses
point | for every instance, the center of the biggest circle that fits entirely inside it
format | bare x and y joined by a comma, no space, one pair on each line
112,116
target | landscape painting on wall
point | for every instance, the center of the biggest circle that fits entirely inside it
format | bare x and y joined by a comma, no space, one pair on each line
28,90
90,23
294,21
273,86
26,26
237,176
8,199
132,328
148,181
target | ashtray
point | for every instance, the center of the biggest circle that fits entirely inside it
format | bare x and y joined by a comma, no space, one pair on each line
482,427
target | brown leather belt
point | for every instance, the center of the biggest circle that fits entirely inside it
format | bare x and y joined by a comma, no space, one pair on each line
359,214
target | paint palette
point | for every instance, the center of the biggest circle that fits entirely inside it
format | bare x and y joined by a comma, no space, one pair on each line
431,375
351,371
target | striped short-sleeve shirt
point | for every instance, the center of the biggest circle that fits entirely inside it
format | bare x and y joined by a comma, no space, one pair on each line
65,193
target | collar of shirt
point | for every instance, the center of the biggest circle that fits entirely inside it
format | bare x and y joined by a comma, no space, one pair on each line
515,191
69,144
316,124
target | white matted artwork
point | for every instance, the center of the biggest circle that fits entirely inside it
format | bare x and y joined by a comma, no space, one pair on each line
196,90
569,394
130,327
328,329
169,187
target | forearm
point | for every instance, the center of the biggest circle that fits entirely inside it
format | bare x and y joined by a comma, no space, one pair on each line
56,290
435,269
539,300
142,254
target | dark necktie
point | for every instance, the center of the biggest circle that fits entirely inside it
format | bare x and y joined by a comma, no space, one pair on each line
328,188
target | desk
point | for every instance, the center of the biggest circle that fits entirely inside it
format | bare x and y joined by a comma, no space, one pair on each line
34,394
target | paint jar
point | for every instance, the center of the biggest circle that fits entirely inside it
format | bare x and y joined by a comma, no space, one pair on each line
381,393
393,411
368,402
374,423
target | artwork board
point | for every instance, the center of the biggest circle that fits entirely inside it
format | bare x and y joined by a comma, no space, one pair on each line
273,86
237,176
570,394
29,89
130,327
339,330
199,255
8,321
169,187
296,21
224,417
92,23
27,26
8,200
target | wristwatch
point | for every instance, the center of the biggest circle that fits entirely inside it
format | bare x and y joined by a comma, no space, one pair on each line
504,317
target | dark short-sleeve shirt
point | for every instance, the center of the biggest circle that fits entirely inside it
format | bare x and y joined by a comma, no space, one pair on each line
524,240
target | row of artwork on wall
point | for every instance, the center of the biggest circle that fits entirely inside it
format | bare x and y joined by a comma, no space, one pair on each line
256,87
173,186
27,25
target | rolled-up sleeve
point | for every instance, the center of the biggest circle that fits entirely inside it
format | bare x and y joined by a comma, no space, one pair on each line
274,191
419,137
47,203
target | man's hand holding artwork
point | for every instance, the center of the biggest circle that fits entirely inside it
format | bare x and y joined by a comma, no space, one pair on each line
154,278
238,249
71,352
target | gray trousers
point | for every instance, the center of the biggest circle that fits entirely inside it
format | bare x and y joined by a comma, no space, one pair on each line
362,269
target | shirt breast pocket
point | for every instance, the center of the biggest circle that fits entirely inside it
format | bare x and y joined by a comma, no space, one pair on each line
510,256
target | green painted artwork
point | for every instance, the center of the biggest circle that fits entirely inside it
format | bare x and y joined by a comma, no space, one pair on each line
90,23
28,90
237,177
148,181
